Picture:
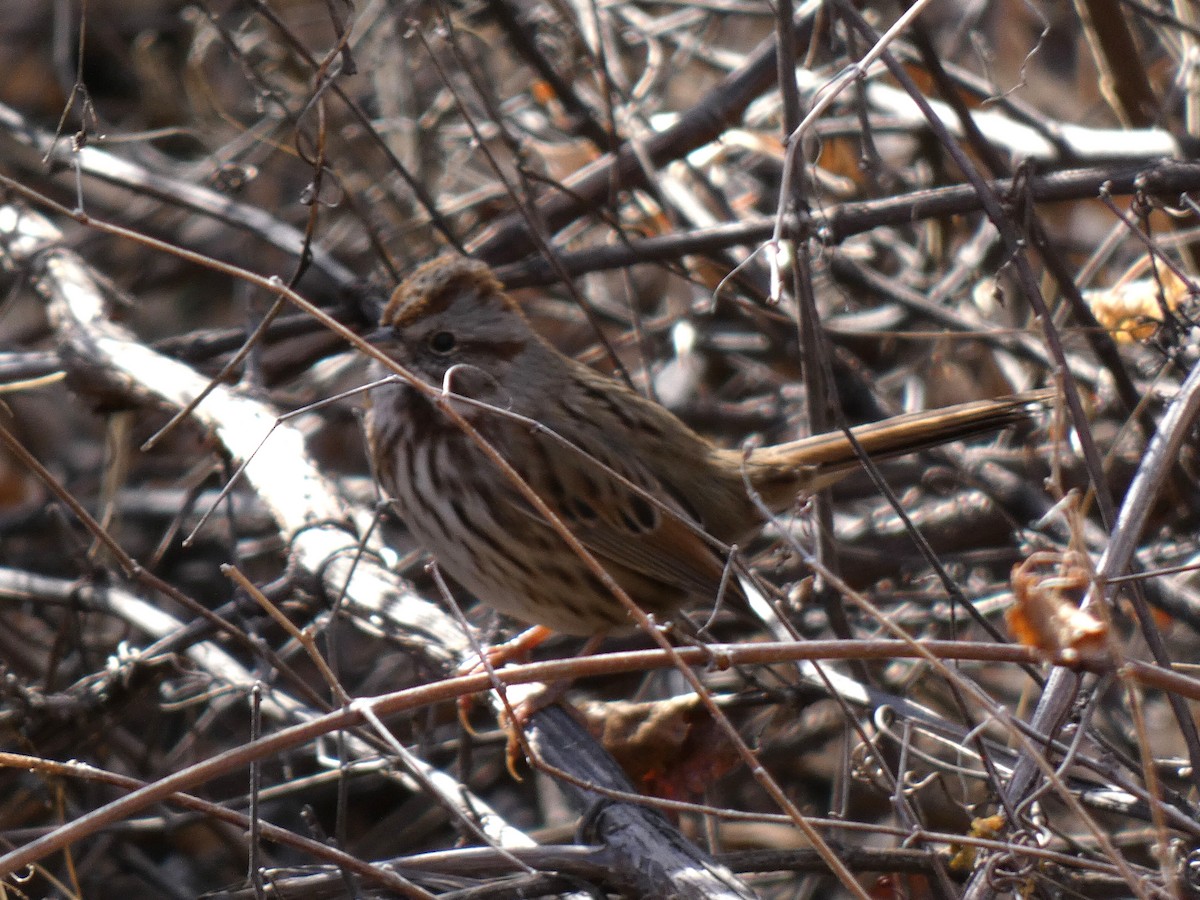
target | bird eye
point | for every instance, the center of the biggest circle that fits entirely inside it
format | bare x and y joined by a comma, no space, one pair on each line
442,342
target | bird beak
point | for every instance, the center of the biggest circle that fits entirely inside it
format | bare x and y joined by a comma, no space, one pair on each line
380,336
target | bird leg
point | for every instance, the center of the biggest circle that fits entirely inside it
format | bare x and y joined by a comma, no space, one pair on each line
514,720
517,649
551,693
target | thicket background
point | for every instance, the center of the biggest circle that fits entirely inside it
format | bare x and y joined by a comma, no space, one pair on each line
780,225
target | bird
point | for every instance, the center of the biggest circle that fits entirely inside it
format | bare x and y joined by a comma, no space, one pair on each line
651,499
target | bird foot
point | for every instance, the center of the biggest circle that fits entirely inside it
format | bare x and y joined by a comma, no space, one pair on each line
515,650
534,698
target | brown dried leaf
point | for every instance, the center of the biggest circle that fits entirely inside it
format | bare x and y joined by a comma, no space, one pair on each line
1045,617
670,748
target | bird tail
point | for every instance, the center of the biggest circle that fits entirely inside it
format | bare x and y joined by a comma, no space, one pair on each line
783,471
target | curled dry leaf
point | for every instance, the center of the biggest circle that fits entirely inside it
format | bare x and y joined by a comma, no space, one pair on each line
1133,308
1046,614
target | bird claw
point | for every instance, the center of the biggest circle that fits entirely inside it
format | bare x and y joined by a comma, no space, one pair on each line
516,716
515,650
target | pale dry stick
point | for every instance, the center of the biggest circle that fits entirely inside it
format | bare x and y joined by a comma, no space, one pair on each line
303,636
953,677
452,688
148,618
823,101
1023,141
1169,863
145,616
384,875
299,499
375,874
475,813
232,365
98,163
1160,456
317,544
279,421
1005,718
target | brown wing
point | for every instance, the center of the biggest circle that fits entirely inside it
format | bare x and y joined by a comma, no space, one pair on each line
652,551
